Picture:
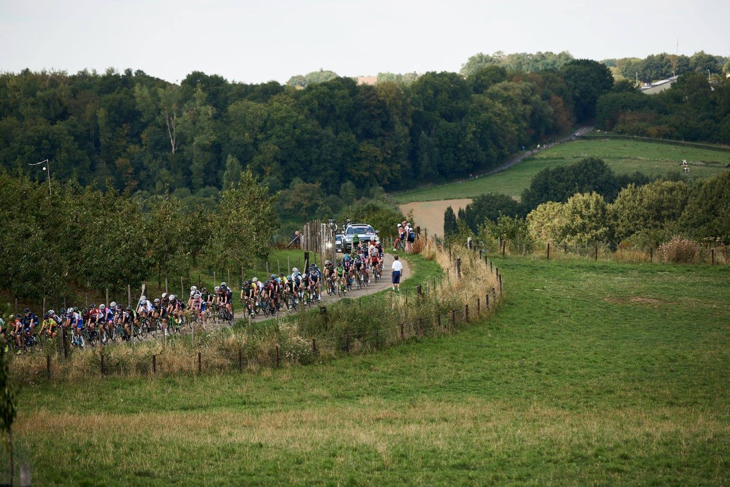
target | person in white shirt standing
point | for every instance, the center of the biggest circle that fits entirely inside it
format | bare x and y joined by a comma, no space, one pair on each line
397,269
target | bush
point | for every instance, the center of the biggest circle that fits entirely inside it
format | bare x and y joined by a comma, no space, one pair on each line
680,250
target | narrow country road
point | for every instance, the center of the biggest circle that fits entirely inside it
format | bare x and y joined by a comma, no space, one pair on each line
373,288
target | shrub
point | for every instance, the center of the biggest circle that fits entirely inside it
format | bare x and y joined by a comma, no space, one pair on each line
680,250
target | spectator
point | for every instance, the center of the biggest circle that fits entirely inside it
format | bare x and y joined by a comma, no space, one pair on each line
397,269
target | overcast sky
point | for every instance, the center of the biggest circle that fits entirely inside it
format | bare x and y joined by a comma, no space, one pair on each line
254,41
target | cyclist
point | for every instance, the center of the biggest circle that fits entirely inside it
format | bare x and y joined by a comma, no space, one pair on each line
315,281
374,257
48,326
228,300
340,274
76,323
17,331
358,264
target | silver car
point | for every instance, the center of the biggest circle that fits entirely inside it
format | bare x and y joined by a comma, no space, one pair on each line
363,231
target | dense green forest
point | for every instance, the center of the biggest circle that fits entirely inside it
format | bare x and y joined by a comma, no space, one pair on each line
145,135
692,109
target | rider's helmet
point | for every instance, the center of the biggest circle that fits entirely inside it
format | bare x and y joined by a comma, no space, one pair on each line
101,307
164,295
217,289
278,279
51,312
113,305
223,284
290,278
26,311
128,310
157,300
295,270
273,276
143,298
173,297
197,295
192,293
255,279
92,306
327,262
63,311
46,315
193,289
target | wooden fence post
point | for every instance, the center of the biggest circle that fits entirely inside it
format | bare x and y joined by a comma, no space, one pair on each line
438,318
48,366
712,252
595,246
548,251
277,355
458,267
651,254
102,362
479,308
453,319
466,313
240,360
314,346
402,334
154,364
486,301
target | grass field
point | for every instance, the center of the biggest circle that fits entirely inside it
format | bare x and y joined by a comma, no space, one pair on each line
623,156
591,373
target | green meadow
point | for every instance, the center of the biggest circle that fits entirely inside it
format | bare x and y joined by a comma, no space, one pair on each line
623,156
590,373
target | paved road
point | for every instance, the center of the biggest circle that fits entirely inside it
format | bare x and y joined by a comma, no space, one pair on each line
373,288
517,158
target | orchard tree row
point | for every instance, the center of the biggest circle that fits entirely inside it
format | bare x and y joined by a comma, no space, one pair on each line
76,237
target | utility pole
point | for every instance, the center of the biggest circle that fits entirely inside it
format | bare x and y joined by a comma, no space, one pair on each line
47,167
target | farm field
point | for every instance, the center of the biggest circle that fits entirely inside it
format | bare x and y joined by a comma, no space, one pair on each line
623,156
592,372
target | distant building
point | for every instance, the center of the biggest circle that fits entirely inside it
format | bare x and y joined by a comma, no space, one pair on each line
658,86
367,80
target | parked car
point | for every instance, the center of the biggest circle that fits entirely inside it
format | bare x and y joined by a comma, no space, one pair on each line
363,231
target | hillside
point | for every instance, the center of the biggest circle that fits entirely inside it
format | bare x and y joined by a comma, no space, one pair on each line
623,156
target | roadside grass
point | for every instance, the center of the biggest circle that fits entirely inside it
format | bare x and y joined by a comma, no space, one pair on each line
591,372
623,156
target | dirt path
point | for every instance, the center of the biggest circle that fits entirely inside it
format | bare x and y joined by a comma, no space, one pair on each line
430,214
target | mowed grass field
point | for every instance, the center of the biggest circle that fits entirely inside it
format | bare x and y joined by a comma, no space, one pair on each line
623,156
591,373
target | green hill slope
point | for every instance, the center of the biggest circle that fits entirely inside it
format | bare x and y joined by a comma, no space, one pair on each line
623,156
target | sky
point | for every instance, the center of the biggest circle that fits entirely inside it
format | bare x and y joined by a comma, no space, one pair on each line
254,41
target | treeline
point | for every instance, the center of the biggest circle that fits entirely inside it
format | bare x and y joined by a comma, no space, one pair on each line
692,109
518,61
586,203
141,134
76,237
662,66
